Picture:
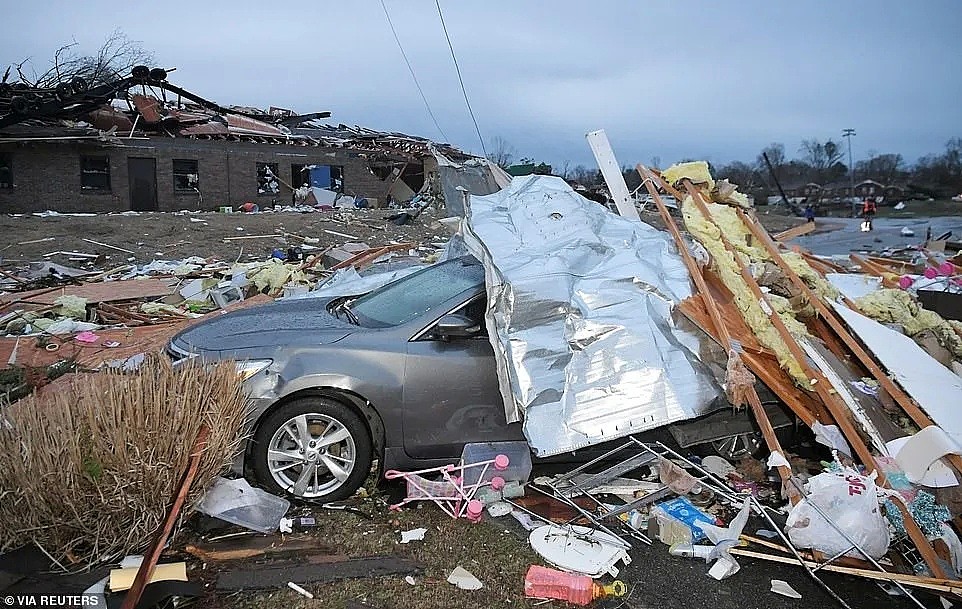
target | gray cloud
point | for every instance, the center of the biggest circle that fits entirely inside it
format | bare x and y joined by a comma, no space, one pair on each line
669,79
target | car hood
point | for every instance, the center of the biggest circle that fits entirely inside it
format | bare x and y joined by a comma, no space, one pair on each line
303,321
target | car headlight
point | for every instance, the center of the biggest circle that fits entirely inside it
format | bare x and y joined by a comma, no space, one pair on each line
249,368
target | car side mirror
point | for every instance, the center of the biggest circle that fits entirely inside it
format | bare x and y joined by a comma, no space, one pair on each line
456,326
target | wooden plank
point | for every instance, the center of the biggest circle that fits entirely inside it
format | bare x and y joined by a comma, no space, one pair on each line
886,275
146,570
724,337
795,231
764,365
930,583
265,578
370,255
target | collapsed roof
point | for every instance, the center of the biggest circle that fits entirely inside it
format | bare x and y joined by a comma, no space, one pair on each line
146,103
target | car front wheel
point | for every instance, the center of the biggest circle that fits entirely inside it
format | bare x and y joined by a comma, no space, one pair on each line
312,448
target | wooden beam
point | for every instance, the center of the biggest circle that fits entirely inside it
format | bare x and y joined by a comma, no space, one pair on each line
929,583
795,231
822,387
150,558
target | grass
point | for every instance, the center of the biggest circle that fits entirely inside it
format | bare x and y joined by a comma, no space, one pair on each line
496,552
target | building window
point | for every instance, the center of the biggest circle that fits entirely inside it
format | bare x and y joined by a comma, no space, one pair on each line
329,177
267,182
185,175
6,171
95,173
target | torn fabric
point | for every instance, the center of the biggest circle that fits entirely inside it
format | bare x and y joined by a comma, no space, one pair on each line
580,317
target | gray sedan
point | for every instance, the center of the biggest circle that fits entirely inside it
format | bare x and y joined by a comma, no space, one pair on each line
404,373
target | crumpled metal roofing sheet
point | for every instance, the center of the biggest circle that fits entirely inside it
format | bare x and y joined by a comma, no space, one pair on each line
580,317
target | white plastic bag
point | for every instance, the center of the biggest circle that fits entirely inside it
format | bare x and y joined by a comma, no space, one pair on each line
851,501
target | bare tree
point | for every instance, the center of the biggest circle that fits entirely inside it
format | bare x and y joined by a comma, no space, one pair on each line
502,153
565,167
884,168
742,174
776,156
114,59
821,156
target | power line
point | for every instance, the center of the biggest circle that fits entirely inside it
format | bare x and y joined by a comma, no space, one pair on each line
461,80
411,70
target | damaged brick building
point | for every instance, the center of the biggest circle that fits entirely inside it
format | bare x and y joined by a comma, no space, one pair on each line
161,148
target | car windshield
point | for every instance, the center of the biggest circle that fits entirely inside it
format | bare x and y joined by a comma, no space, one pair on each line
407,298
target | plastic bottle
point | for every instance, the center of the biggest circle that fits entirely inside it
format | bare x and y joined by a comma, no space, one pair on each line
687,550
542,582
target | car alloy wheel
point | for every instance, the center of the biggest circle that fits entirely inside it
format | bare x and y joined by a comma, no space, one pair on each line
312,448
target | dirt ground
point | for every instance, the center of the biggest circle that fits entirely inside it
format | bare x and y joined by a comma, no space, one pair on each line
174,236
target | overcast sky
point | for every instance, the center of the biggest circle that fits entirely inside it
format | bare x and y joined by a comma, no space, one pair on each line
668,79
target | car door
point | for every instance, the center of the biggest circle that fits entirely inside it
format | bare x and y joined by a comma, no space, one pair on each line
450,393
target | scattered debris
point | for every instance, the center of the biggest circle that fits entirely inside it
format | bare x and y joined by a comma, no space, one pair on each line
782,587
413,535
238,502
463,579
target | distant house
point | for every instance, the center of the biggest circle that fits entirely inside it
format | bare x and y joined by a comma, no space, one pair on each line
895,192
835,191
869,188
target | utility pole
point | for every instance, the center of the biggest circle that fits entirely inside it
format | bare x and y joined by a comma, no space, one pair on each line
847,134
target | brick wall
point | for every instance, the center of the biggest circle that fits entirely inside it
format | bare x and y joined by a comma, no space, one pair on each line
47,175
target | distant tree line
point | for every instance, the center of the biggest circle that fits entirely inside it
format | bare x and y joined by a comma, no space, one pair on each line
823,163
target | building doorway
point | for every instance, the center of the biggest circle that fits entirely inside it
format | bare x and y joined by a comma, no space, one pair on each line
142,175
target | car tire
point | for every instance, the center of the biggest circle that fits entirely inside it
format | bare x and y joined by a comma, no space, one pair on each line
280,464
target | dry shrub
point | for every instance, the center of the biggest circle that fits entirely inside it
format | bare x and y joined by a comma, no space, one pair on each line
89,470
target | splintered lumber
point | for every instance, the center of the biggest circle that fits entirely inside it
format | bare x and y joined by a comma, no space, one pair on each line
146,570
367,257
758,410
821,265
930,583
795,231
876,270
265,578
761,362
822,386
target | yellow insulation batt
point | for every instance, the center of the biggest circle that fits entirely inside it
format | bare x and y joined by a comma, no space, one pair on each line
898,307
725,266
742,240
696,171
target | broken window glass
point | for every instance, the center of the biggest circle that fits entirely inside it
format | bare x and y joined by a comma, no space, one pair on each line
6,171
186,178
267,182
94,173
